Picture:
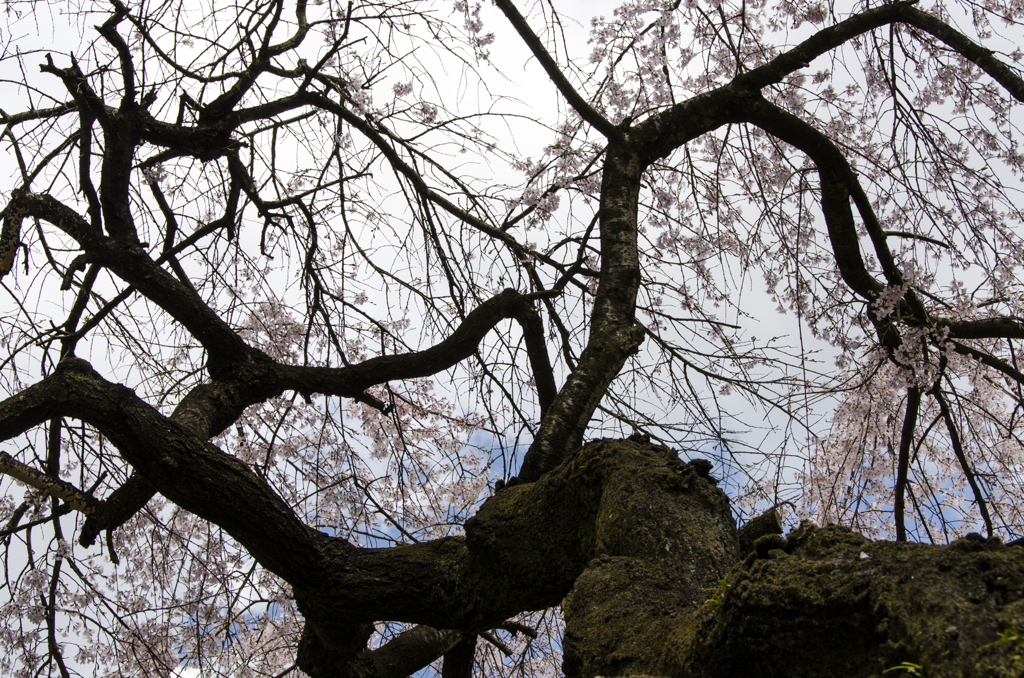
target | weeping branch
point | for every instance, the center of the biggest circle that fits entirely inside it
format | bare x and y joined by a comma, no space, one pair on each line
958,449
903,462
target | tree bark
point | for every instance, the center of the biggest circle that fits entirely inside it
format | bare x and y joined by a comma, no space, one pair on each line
638,546
829,602
826,602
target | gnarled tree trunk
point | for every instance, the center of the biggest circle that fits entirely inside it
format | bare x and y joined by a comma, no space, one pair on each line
656,598
641,550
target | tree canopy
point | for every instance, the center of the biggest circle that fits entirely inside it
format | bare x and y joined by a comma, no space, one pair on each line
309,311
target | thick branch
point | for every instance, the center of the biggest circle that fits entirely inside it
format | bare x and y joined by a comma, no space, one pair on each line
537,350
206,411
209,408
829,38
523,550
965,47
458,662
566,421
613,334
119,506
190,472
222,105
528,543
820,43
119,136
133,265
109,31
986,328
837,181
79,88
352,380
990,360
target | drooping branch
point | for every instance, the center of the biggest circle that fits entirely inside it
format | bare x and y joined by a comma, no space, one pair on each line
681,123
958,450
903,460
507,563
578,103
832,37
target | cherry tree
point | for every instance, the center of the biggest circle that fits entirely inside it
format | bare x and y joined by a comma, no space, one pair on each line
324,323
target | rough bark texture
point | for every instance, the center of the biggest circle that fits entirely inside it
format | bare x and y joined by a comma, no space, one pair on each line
638,546
642,547
825,602
829,602
664,536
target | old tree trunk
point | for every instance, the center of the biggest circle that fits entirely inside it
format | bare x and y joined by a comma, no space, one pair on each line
667,591
641,550
638,546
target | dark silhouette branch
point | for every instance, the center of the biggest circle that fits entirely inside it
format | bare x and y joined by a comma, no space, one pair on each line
578,103
903,460
209,408
958,450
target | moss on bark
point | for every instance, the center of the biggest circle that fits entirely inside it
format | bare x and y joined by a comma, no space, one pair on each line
663,537
658,597
830,602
